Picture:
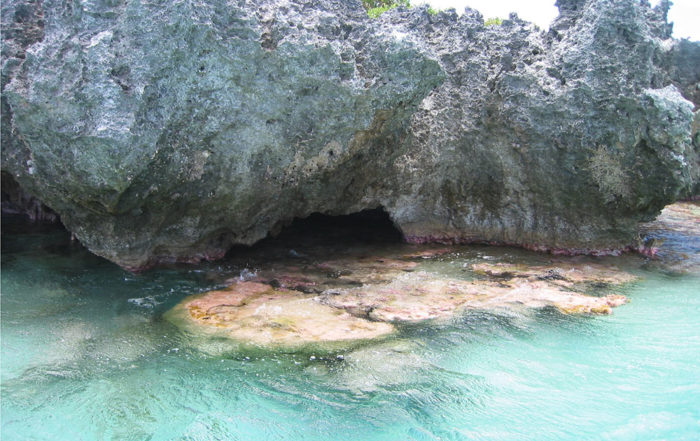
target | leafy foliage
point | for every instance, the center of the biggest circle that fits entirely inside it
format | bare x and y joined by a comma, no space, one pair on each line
375,8
372,4
493,21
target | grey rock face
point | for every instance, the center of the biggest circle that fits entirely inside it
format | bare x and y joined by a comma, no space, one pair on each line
164,131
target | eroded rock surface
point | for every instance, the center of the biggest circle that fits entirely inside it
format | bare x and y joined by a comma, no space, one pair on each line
169,131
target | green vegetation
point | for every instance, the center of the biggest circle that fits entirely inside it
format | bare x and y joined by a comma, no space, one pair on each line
493,21
375,8
374,4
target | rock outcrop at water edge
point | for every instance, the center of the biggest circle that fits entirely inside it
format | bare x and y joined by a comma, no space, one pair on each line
169,131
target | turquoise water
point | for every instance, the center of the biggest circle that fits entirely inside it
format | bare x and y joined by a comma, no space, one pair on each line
87,356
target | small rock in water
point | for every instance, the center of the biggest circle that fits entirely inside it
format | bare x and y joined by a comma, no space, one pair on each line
246,275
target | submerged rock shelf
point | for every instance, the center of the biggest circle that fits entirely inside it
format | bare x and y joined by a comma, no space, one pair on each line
255,313
354,298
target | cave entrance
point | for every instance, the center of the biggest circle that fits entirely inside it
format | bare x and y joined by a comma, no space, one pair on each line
366,226
324,235
21,206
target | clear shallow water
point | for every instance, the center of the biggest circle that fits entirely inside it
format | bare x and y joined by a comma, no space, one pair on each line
87,356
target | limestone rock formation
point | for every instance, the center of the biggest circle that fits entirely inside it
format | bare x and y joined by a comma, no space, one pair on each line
169,131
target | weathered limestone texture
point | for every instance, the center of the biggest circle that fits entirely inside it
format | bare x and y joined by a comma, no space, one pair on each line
169,131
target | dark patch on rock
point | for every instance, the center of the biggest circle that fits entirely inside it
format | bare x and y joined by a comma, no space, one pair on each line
16,201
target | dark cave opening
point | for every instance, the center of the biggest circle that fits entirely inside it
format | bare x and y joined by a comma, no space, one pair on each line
373,225
326,234
18,203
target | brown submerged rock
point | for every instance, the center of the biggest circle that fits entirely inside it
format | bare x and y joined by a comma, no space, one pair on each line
337,273
272,315
255,313
423,296
559,273
364,292
428,253
366,270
